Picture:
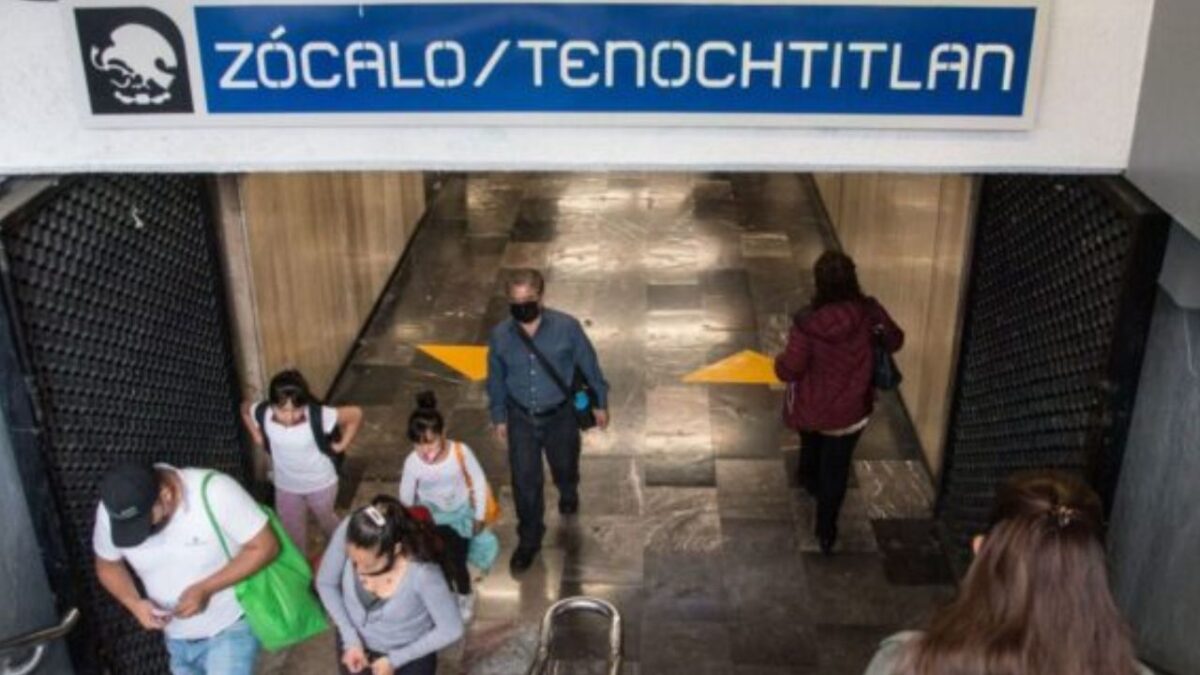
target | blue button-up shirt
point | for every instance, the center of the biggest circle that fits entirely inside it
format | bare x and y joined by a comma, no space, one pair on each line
514,372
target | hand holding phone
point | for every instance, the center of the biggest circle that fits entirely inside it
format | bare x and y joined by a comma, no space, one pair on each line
150,615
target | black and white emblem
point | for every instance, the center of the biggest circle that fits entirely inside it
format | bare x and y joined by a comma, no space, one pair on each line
134,61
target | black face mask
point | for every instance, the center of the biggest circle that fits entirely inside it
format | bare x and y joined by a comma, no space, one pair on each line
525,312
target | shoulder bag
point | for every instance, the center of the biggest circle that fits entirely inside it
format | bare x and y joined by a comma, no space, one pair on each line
885,375
277,600
491,514
580,394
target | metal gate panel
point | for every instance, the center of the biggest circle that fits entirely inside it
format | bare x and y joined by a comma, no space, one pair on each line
115,288
1058,308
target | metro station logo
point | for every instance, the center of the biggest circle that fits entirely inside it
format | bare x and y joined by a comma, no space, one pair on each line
134,61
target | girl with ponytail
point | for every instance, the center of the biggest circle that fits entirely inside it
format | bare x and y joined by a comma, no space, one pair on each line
383,584
306,441
445,477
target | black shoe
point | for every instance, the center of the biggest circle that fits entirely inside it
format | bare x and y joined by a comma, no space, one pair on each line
826,541
521,560
568,508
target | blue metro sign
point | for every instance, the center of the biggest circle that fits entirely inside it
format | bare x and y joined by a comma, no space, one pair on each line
887,63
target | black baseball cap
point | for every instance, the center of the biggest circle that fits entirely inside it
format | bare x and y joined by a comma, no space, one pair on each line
128,492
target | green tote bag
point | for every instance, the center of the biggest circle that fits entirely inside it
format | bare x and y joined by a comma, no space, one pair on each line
278,599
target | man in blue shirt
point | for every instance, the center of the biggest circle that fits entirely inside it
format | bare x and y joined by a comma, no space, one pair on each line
531,412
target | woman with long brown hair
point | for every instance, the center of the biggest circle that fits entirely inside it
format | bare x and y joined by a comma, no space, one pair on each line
1035,600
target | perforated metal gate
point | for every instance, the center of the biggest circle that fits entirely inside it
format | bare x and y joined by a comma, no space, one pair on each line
114,286
1059,304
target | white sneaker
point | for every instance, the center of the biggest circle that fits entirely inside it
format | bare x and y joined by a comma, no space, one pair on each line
466,607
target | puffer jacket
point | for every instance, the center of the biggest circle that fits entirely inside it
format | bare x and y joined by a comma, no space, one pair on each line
828,364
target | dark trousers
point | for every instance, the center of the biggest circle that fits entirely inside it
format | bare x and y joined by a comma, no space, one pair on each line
456,550
825,471
426,665
558,436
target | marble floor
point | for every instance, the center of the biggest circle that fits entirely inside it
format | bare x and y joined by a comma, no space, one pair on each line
691,521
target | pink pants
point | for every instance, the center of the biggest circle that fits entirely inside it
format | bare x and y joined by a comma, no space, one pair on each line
293,513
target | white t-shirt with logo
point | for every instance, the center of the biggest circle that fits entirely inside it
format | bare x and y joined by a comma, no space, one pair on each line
297,463
187,551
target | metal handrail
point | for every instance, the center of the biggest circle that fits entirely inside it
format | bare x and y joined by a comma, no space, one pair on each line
580,604
36,641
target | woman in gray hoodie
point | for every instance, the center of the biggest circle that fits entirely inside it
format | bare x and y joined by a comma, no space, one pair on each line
383,585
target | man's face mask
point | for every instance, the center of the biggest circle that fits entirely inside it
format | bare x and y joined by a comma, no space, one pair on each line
525,312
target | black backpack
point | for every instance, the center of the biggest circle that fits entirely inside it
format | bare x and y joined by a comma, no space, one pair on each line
324,441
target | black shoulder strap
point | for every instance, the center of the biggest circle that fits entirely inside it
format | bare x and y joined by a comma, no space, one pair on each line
537,353
260,417
876,314
315,422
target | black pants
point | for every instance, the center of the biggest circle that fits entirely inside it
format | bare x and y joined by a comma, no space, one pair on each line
456,550
426,665
825,470
528,437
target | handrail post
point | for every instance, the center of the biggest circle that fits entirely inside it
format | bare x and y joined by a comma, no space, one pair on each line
35,642
579,604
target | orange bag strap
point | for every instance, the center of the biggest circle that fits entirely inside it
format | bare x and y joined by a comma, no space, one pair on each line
462,466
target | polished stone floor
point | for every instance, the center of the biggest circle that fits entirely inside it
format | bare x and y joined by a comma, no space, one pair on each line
691,522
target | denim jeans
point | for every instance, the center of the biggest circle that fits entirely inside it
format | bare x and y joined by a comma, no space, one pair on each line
233,651
528,437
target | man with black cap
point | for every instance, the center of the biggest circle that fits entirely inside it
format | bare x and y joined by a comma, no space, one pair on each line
154,520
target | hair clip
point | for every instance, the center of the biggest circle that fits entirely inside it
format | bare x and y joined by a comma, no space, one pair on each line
375,515
1063,514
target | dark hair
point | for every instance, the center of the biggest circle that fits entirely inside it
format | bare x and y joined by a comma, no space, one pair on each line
836,279
289,386
527,277
426,419
398,530
1036,599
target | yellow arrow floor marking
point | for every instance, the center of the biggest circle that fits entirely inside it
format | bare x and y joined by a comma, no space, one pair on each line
748,367
469,360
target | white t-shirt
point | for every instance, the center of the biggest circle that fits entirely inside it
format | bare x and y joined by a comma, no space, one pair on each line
297,464
442,485
187,551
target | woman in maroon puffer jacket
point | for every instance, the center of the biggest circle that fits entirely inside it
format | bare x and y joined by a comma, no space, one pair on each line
827,366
